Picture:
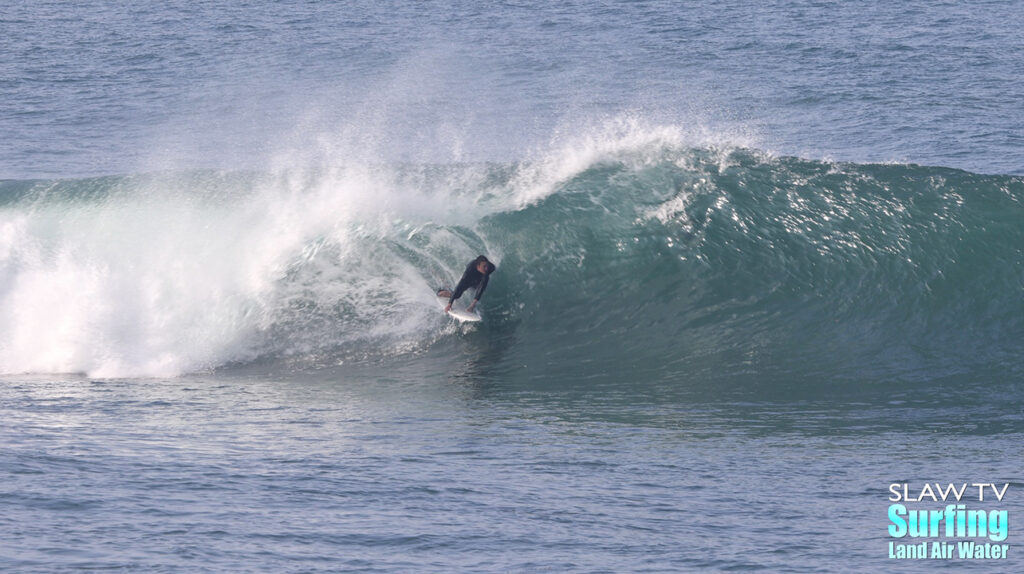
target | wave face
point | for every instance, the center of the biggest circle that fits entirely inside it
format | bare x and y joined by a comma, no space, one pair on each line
628,254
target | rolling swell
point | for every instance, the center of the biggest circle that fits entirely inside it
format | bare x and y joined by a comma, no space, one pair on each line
653,262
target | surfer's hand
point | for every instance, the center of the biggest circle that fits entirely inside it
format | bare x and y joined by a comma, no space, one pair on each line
448,308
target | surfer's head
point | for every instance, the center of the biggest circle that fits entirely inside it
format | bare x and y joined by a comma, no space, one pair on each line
483,265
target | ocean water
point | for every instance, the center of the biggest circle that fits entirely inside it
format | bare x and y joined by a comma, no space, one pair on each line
757,262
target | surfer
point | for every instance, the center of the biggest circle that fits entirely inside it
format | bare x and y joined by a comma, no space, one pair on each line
476,275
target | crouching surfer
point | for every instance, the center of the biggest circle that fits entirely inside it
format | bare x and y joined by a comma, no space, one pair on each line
476,275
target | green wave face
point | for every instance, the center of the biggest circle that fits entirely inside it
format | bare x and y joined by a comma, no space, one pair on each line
750,268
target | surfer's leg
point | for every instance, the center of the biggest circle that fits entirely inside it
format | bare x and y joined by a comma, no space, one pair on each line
460,289
444,292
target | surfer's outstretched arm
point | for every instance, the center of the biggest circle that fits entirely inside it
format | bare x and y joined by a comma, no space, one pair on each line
479,293
469,279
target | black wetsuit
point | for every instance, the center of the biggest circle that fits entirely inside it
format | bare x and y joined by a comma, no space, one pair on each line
471,278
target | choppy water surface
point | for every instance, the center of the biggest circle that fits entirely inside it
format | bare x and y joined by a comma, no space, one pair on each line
229,474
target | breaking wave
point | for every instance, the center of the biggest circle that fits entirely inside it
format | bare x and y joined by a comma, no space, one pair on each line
639,249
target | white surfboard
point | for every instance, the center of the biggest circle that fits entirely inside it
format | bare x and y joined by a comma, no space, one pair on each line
458,312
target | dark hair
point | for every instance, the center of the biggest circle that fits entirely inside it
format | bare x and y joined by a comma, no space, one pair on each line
483,259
